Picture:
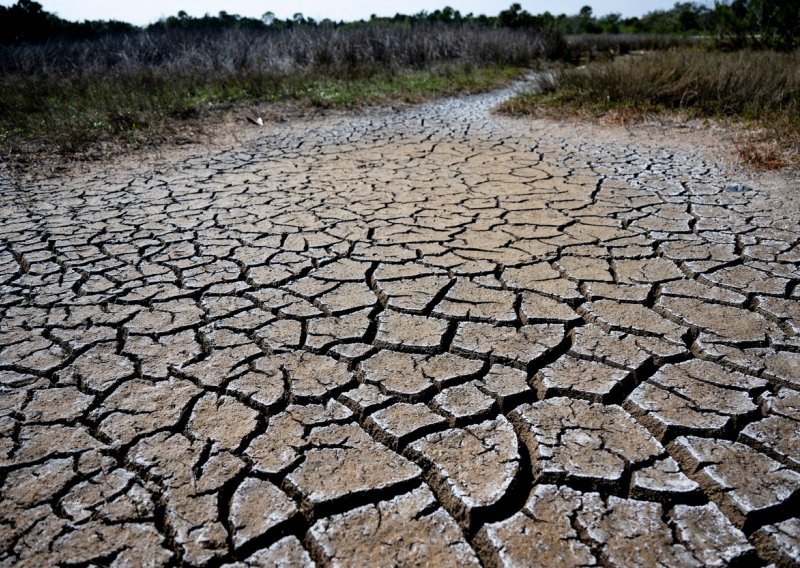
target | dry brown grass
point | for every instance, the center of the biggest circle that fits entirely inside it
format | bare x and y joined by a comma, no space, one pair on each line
755,93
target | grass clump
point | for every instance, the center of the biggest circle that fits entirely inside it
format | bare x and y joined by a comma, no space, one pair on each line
760,90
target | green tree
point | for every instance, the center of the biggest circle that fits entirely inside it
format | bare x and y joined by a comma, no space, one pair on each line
762,23
778,22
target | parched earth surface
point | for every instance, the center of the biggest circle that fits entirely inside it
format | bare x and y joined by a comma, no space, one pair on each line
430,337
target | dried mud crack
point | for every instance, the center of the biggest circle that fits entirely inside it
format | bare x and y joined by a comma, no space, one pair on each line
430,337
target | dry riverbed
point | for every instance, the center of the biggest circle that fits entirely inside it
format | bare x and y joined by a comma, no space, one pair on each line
434,335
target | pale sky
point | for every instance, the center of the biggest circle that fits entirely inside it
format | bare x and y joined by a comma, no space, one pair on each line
147,11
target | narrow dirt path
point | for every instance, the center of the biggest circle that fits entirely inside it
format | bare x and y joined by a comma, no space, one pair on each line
430,337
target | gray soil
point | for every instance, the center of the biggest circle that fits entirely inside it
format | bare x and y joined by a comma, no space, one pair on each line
432,336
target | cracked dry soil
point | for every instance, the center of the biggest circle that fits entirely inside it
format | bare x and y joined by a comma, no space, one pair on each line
431,337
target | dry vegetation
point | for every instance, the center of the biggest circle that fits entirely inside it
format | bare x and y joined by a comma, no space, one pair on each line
67,97
592,47
88,98
758,91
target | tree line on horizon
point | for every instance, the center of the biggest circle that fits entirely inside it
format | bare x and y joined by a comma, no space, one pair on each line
735,24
